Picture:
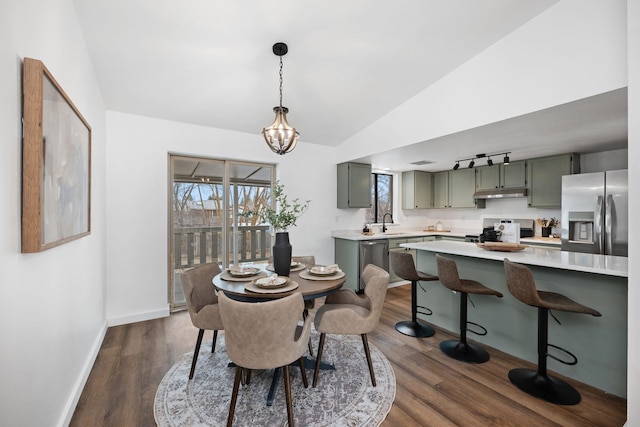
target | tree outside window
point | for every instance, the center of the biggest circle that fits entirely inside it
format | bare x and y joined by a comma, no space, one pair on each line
381,197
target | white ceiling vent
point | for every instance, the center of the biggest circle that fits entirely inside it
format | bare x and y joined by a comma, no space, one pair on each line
422,162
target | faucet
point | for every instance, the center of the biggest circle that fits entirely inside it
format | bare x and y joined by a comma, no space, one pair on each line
384,225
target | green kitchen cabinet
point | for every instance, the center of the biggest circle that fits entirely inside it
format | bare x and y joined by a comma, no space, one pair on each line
454,189
354,185
347,256
501,176
417,189
544,176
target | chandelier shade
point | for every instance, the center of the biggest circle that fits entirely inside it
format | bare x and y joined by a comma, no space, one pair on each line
280,136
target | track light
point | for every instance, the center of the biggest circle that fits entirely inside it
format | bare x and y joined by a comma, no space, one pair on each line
472,161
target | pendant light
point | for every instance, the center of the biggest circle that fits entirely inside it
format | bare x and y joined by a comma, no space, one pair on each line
280,137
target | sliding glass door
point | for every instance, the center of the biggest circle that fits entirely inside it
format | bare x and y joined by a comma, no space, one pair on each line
206,196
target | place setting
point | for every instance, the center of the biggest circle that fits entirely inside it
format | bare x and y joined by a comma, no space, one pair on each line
242,273
273,284
295,266
322,272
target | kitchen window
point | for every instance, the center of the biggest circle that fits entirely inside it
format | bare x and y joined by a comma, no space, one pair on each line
381,197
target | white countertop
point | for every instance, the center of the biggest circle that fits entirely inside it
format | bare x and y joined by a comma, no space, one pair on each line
397,234
539,256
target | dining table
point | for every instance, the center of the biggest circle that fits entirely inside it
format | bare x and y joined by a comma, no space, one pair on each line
312,286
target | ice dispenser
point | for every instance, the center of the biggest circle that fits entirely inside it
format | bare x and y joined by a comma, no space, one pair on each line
581,227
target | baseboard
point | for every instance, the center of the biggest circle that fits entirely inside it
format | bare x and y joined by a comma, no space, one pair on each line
138,317
70,408
398,283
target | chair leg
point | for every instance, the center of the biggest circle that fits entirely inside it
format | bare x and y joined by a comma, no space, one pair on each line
414,327
304,372
365,343
287,392
538,383
195,353
318,359
234,395
461,349
305,313
213,344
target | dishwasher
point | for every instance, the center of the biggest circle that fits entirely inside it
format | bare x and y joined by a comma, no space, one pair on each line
374,252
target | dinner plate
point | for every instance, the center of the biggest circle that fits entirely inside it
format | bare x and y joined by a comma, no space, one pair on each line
322,271
271,282
244,272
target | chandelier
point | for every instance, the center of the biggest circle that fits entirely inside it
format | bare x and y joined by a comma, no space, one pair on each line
280,136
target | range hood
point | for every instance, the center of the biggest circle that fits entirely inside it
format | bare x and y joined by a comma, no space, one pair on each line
500,193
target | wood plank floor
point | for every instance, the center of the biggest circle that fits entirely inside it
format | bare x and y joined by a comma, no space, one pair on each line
432,389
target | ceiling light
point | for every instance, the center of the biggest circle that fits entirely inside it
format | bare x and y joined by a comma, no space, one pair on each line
456,166
490,162
280,137
506,158
471,163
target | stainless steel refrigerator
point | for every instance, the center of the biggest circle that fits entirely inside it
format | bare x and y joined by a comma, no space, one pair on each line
595,213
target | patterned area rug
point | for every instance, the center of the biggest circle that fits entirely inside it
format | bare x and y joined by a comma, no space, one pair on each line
343,397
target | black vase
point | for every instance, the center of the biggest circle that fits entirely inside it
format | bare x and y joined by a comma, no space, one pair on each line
282,254
546,231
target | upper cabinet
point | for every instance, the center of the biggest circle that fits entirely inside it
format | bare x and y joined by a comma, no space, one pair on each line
354,185
501,176
454,189
417,190
544,176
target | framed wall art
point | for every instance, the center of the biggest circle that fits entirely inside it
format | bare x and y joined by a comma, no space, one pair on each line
56,163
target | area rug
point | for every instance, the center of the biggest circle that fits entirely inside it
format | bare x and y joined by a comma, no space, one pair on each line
343,397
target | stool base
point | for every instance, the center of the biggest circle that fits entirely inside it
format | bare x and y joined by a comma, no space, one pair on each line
544,387
464,352
415,329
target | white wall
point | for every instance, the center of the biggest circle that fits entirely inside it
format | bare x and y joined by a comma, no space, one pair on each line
137,174
53,303
574,49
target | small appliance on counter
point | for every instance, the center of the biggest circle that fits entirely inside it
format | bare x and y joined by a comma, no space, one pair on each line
491,229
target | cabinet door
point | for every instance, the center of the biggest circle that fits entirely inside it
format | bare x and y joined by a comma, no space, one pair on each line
441,189
354,185
346,255
514,175
545,179
487,177
462,185
416,190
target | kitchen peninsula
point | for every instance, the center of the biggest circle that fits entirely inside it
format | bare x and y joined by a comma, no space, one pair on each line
598,281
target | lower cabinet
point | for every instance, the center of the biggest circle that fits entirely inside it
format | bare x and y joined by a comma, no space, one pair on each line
394,246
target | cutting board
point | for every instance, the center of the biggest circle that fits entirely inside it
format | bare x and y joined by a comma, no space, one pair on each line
501,246
437,231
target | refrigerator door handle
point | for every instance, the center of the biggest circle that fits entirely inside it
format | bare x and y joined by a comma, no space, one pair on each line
607,225
598,224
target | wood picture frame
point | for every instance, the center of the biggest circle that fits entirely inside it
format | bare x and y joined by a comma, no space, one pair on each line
56,163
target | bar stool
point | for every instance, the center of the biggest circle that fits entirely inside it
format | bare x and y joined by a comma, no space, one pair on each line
404,267
461,349
537,383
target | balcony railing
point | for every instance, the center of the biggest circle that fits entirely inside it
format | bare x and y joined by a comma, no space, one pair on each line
201,245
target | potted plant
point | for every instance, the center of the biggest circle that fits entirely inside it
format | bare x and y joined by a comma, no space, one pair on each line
547,225
281,218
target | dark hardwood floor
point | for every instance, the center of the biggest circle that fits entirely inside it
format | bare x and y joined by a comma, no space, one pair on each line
432,389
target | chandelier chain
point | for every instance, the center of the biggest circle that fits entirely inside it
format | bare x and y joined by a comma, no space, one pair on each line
281,81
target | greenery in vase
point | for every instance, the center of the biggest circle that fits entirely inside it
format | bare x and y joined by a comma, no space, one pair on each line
548,222
286,213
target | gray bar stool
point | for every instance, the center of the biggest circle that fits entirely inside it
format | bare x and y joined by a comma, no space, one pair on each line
461,349
538,383
404,267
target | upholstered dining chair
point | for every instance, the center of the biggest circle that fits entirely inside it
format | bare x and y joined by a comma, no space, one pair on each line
346,313
265,335
202,304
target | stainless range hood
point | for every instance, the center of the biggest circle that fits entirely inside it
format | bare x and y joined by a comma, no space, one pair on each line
500,193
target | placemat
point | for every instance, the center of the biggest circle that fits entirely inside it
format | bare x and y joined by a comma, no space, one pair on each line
229,278
306,275
299,267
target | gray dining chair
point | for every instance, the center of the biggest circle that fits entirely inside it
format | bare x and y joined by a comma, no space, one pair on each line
202,305
265,335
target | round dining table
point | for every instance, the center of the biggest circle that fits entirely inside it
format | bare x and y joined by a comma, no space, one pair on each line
310,289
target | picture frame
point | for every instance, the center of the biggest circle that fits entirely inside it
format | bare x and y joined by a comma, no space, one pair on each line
56,163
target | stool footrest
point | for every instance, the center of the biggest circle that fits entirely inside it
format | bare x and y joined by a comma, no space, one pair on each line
464,352
481,333
424,310
565,351
415,329
545,387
